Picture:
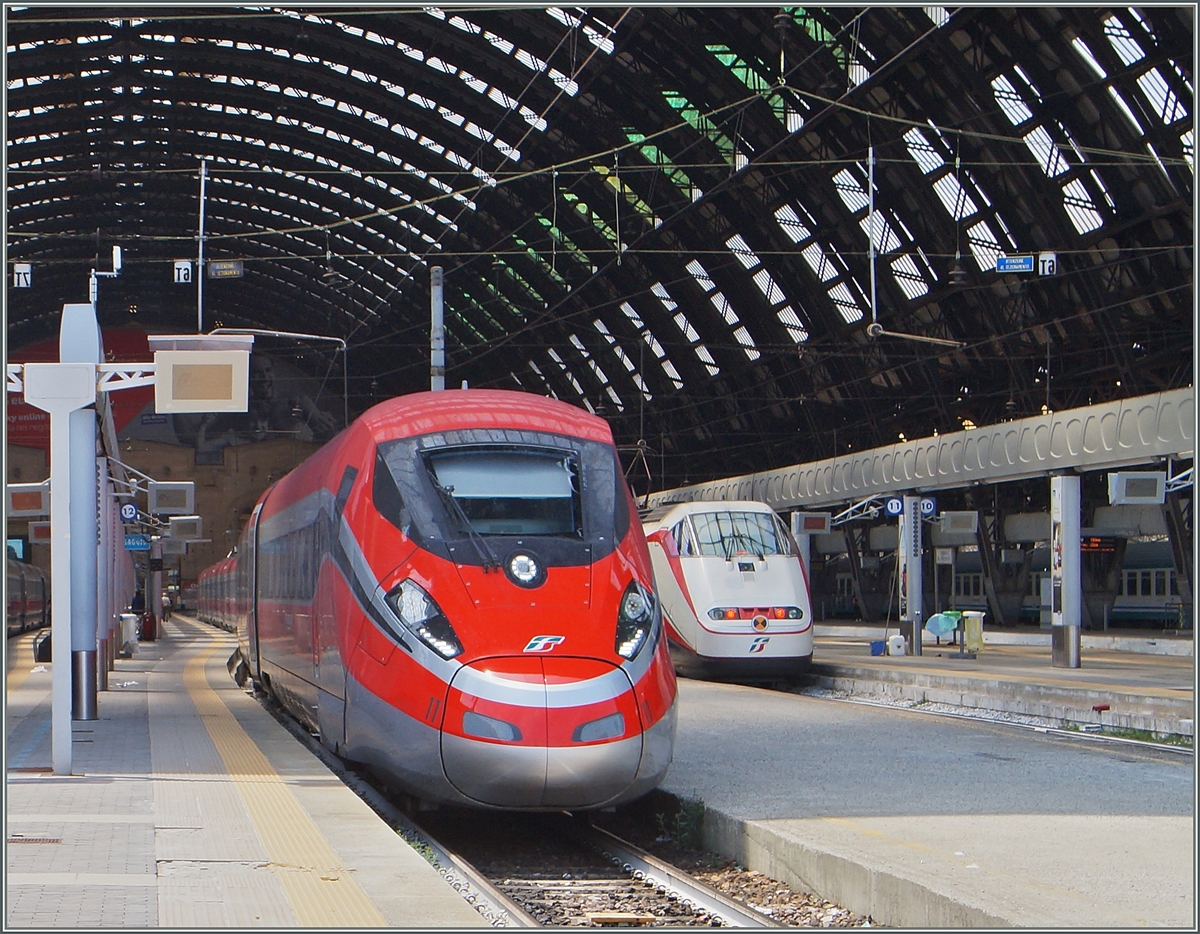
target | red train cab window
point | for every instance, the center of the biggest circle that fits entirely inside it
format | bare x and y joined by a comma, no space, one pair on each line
513,492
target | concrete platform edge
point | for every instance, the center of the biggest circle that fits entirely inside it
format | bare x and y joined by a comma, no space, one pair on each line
1160,716
1161,645
886,897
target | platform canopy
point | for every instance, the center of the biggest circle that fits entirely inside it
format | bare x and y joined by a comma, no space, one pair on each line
661,214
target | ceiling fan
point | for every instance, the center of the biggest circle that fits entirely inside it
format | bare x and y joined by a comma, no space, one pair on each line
875,329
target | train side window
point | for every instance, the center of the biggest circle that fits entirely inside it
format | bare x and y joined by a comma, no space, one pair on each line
387,496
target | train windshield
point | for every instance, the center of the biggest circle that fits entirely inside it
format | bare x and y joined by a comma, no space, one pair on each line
739,533
512,492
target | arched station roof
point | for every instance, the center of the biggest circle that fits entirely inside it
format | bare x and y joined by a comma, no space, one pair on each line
663,214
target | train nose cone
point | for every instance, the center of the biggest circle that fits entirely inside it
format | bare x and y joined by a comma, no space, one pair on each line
541,732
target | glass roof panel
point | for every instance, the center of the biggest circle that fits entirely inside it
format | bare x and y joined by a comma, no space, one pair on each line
652,342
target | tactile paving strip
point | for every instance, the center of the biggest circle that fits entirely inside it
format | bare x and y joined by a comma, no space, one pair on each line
321,891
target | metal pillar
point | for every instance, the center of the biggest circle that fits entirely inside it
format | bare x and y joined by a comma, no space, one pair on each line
83,563
910,585
154,584
437,332
200,253
60,388
79,342
1065,584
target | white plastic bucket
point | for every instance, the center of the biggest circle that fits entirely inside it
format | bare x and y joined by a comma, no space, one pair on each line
896,645
129,638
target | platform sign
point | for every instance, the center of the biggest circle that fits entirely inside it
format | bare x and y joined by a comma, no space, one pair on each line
183,271
893,505
928,506
128,512
1014,263
135,542
1047,264
22,275
225,269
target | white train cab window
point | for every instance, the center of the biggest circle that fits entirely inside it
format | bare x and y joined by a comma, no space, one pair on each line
685,543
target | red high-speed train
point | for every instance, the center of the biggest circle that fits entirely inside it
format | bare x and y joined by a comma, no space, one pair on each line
457,591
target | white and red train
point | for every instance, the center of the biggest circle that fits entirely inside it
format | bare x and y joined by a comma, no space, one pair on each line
734,590
456,590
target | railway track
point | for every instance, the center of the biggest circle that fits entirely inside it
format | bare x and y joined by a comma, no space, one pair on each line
564,872
534,870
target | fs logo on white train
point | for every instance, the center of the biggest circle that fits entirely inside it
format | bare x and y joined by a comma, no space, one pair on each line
759,643
543,643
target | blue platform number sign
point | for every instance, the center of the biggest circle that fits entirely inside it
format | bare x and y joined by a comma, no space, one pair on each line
893,505
183,271
128,512
137,543
928,506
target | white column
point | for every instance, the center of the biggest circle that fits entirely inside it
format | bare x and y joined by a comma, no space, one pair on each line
83,563
911,587
1066,591
437,332
60,388
79,342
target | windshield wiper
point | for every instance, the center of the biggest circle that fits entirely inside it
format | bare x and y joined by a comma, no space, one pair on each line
482,548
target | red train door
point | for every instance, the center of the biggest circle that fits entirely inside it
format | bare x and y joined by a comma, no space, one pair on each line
247,578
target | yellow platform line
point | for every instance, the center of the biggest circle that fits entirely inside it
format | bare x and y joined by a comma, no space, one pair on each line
20,660
321,891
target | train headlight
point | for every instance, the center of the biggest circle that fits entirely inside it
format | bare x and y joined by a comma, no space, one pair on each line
422,616
634,619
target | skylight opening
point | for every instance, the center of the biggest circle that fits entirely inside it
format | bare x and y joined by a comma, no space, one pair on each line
791,321
621,355
659,353
1080,207
954,197
927,158
602,42
1122,41
553,354
853,194
1048,155
937,15
984,246
845,303
1166,103
909,277
1010,101
685,327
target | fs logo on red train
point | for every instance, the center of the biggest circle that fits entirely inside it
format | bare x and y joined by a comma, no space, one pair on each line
543,643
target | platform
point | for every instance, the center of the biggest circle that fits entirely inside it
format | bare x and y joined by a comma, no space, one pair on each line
1141,681
189,806
925,821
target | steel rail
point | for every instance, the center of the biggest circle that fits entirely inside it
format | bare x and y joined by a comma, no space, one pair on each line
652,871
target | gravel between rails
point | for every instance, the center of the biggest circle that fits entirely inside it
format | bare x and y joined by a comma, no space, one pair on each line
661,826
